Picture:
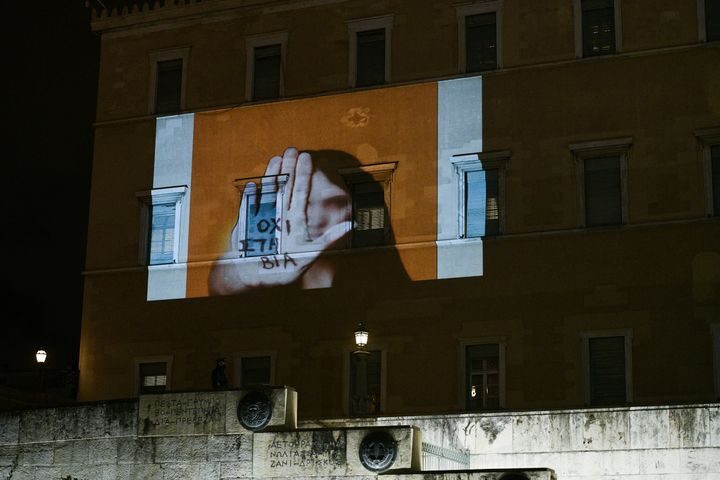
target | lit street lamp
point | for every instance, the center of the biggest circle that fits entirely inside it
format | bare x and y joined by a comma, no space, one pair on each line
360,399
40,357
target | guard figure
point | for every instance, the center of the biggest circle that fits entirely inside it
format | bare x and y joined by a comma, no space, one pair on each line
219,379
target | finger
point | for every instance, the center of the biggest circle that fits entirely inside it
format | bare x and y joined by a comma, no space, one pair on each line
301,186
272,170
288,168
334,233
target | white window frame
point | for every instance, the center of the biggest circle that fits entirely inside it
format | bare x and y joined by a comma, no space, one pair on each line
478,8
501,342
708,138
167,359
263,40
237,358
577,14
496,160
241,185
346,353
364,24
585,339
156,56
596,149
159,196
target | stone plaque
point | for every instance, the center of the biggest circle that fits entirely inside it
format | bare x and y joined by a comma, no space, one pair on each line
304,453
320,453
182,413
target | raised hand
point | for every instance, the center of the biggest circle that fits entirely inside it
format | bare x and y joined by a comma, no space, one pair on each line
301,239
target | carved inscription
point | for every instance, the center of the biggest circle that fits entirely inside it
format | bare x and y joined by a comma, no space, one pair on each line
308,453
191,411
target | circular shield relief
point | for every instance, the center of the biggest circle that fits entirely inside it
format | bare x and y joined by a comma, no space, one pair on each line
377,451
254,410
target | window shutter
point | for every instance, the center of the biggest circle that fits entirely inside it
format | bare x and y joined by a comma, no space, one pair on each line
712,20
598,27
260,235
607,370
480,42
603,197
255,370
153,377
266,76
475,203
168,87
370,214
162,234
370,51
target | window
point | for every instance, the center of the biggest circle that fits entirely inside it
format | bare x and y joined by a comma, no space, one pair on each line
168,72
370,191
597,27
265,66
602,181
709,20
370,42
479,31
256,370
366,382
161,209
153,375
608,367
484,382
715,332
481,207
260,215
710,150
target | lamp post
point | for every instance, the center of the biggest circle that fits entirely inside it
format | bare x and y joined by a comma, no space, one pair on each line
360,355
40,357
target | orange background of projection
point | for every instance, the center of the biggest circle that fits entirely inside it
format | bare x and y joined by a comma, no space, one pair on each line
237,143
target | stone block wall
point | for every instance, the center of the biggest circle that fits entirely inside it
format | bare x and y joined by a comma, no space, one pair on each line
101,442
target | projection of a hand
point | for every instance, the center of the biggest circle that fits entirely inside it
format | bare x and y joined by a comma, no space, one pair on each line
315,214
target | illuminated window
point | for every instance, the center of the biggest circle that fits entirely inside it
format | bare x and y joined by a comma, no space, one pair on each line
265,65
370,191
484,376
153,377
479,32
597,27
710,24
710,148
260,220
608,367
255,370
168,80
161,220
601,167
480,186
370,42
366,383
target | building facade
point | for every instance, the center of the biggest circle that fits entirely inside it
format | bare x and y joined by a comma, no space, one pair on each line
520,200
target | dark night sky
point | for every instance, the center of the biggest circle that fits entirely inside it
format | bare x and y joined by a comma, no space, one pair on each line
52,87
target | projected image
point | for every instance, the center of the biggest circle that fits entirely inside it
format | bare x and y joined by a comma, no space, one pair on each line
383,185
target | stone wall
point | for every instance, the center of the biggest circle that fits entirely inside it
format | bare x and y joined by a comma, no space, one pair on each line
101,441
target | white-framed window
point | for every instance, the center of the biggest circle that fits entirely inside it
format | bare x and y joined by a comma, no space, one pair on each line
160,225
607,364
152,374
168,79
481,192
480,36
602,181
265,66
708,20
598,27
483,370
366,381
370,51
259,228
255,368
709,140
370,191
